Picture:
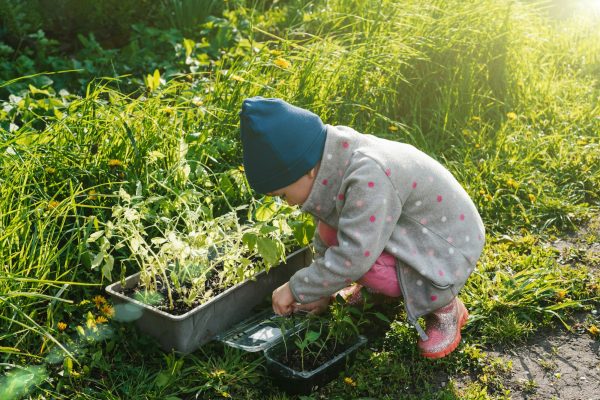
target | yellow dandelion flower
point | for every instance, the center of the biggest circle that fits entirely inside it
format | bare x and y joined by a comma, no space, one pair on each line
107,310
61,326
115,163
511,115
50,170
393,128
512,183
593,329
477,145
488,197
237,78
225,394
53,204
481,192
101,319
561,294
349,381
99,301
92,194
74,374
531,197
218,372
282,63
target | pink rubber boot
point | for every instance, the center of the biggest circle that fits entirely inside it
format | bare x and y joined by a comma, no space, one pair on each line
443,329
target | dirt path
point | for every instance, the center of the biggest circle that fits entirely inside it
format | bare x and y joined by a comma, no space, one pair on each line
559,364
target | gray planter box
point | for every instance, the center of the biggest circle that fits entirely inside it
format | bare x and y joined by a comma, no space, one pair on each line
185,333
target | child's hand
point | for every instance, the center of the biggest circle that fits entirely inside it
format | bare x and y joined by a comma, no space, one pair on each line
316,307
283,299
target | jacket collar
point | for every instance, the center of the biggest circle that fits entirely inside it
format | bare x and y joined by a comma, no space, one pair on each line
339,147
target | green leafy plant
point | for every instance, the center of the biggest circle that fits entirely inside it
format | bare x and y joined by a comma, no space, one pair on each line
190,256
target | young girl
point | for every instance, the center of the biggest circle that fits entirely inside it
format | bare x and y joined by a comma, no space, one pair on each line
390,217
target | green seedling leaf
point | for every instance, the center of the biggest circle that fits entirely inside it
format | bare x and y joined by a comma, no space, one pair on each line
108,267
94,236
266,229
98,259
303,231
266,211
311,336
250,239
382,317
268,250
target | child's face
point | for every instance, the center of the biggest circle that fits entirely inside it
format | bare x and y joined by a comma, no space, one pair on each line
297,192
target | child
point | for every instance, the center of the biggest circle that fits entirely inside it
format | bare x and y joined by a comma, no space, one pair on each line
390,216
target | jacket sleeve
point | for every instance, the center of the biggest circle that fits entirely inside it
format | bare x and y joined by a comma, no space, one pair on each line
368,216
319,246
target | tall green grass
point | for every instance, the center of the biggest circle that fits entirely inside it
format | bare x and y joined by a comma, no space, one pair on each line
505,97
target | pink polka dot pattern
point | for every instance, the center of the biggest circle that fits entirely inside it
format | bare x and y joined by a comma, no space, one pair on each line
423,221
341,196
372,218
414,185
433,297
388,172
345,145
324,182
371,184
441,273
439,199
367,253
462,217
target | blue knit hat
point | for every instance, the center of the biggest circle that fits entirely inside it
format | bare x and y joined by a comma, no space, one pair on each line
281,142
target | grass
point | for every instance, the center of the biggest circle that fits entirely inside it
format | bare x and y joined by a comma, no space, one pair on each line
500,92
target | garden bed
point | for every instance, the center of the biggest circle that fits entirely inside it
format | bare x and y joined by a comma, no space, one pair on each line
188,331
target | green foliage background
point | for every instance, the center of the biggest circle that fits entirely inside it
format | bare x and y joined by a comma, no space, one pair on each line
95,97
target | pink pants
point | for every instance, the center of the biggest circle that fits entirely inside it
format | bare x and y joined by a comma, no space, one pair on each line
381,277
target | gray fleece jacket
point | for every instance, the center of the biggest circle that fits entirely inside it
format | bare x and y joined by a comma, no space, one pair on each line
385,195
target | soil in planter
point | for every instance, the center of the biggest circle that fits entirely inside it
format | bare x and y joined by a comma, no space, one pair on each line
312,360
160,299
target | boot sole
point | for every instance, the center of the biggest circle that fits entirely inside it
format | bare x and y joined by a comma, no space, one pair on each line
452,346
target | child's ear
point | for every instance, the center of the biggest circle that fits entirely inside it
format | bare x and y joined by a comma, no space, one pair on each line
312,174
